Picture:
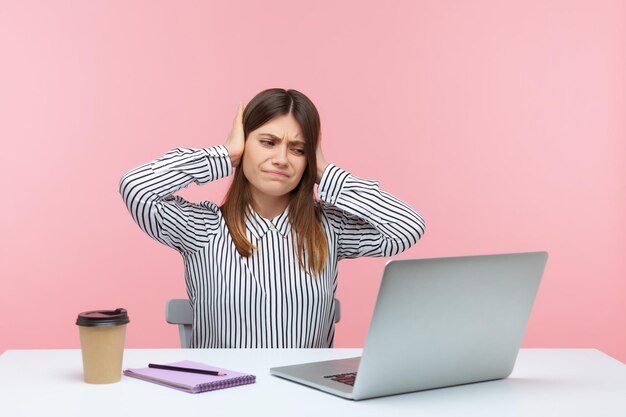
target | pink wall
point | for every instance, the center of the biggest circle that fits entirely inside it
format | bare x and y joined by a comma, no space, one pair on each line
502,122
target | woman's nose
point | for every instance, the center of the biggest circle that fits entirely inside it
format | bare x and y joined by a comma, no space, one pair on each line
280,156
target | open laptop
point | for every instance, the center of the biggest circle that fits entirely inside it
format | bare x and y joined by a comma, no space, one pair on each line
437,323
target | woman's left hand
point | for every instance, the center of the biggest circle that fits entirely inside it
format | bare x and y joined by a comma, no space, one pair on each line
321,161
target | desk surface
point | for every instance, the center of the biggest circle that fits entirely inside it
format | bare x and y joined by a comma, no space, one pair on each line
545,382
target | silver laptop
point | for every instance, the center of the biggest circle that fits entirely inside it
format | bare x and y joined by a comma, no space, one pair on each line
437,323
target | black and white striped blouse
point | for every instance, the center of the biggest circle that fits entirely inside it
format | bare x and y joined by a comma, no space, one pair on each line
265,300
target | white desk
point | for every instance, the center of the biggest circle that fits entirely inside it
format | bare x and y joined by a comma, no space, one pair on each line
545,382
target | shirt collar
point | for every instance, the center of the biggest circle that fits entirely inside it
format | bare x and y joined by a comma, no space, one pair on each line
258,226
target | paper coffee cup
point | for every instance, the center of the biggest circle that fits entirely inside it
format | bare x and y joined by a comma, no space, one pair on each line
102,334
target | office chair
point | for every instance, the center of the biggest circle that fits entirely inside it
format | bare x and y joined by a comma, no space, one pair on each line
178,311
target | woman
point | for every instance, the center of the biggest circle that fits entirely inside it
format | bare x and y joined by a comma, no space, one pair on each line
261,270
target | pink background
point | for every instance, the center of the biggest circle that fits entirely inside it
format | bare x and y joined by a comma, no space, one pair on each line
502,122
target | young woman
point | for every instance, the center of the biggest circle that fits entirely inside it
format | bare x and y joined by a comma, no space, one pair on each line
261,269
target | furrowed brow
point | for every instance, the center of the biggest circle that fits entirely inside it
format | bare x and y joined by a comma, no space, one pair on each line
297,142
270,135
292,142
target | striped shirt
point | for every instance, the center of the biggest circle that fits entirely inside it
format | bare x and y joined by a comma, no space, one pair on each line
266,300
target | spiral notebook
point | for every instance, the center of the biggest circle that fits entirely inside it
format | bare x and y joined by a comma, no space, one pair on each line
191,382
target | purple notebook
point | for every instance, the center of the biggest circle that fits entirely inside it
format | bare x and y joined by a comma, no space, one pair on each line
191,382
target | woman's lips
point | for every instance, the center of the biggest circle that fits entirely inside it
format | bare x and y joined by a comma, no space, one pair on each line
279,174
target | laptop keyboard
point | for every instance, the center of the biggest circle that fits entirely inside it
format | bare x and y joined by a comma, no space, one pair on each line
347,378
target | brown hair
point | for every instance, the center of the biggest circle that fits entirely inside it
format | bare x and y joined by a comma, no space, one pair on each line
304,214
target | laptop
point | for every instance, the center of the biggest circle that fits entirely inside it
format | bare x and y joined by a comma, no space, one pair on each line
437,323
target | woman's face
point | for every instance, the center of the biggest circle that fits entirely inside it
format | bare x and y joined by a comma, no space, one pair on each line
274,160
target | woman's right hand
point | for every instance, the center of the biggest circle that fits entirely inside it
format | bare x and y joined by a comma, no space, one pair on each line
236,139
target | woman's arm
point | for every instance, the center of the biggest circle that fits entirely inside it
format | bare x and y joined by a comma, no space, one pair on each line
368,221
148,193
148,190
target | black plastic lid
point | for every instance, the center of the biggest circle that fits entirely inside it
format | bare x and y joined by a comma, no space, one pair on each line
98,318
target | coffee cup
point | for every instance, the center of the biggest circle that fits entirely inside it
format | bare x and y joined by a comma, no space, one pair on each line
102,334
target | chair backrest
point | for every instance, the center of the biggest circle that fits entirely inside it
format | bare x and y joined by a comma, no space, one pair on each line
178,311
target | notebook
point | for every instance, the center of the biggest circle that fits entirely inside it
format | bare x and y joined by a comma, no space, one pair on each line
191,382
437,323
